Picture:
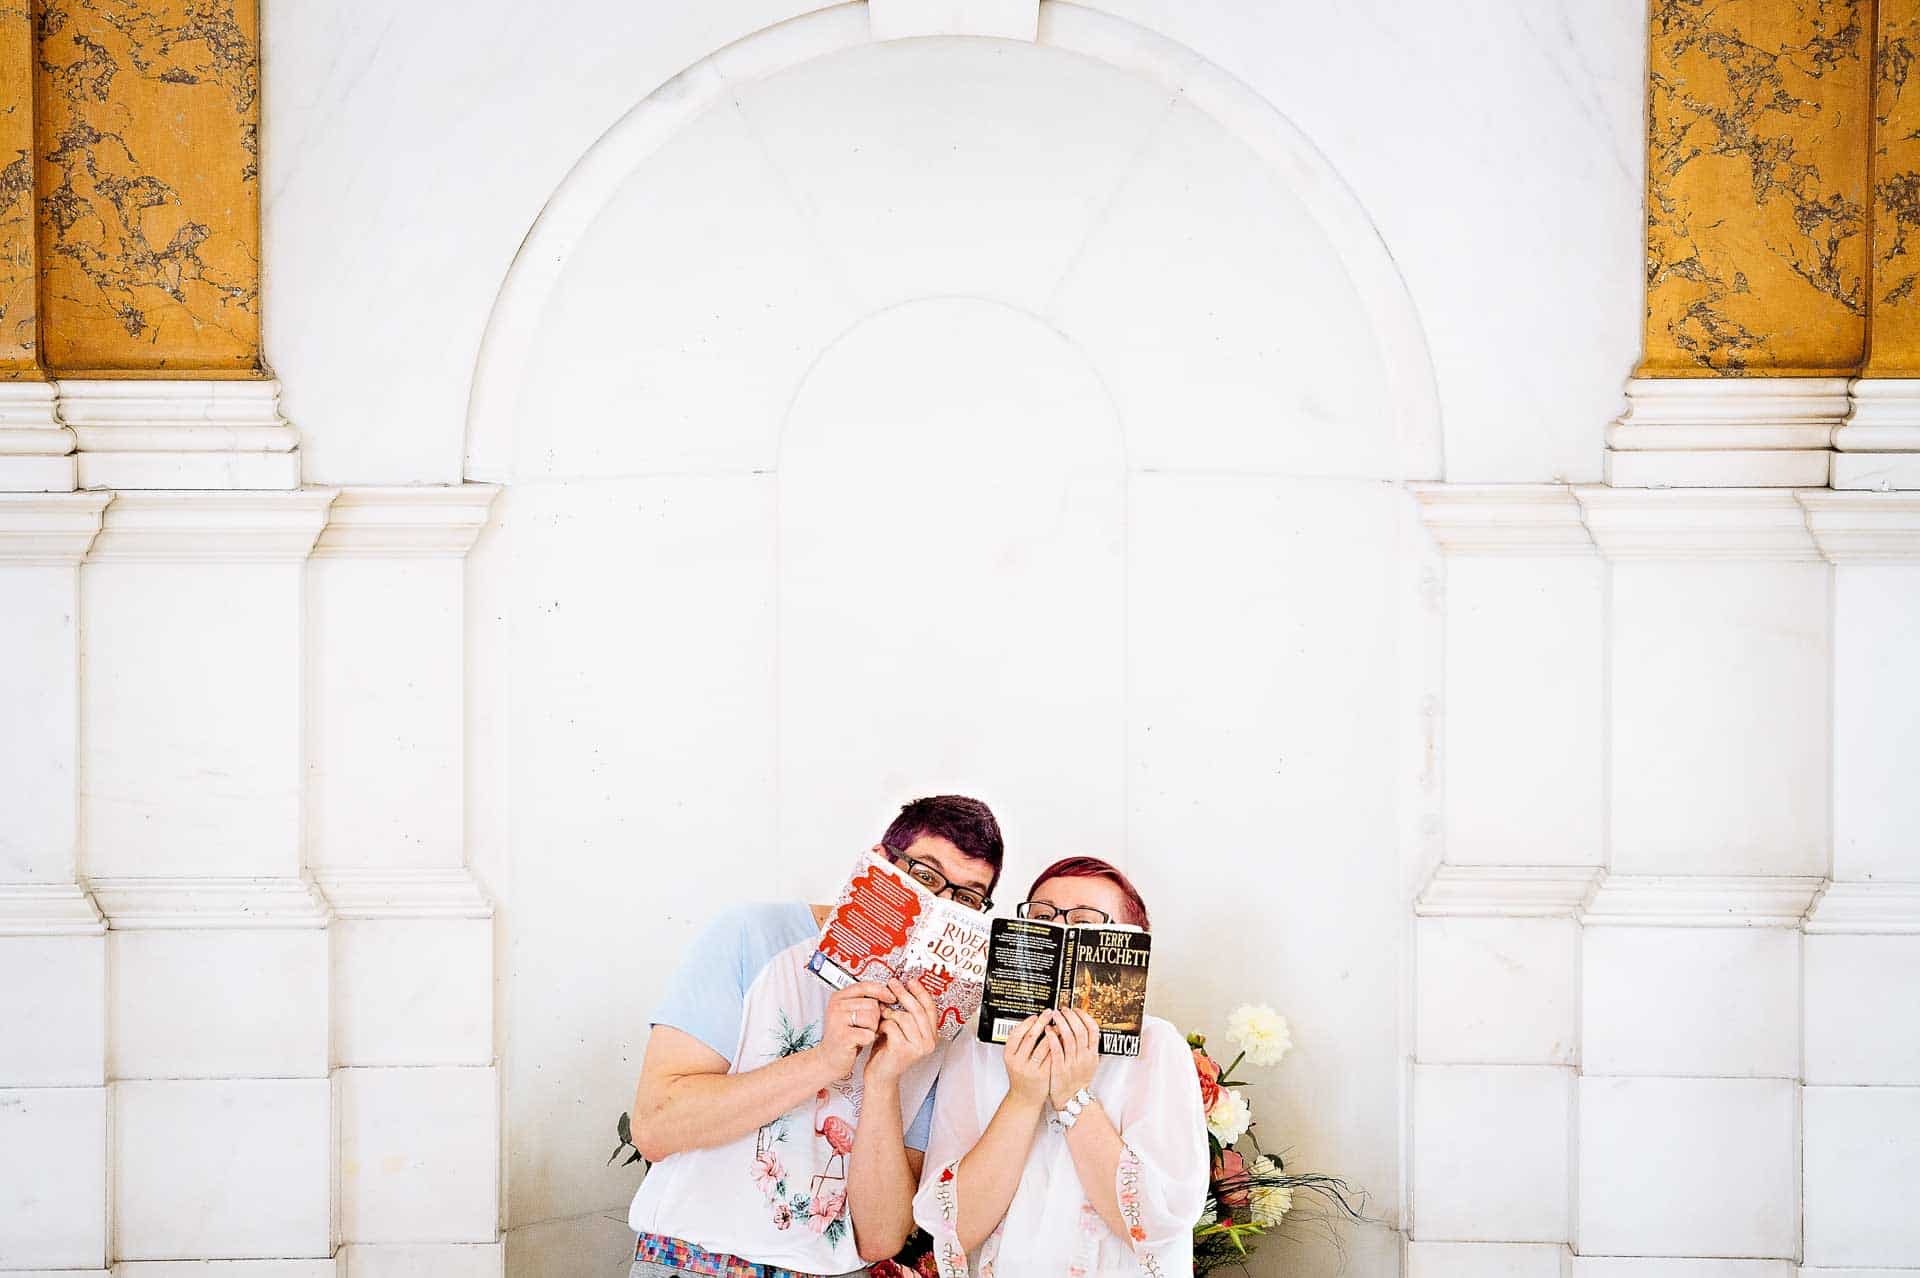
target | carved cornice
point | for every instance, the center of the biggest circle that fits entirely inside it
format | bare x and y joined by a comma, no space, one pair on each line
1503,519
1701,901
1675,524
49,528
25,407
1507,891
1885,416
1684,413
1708,523
1874,907
145,904
145,414
153,434
212,526
1865,527
1600,899
48,909
407,523
380,893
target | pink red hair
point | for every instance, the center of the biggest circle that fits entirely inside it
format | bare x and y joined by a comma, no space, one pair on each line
1092,867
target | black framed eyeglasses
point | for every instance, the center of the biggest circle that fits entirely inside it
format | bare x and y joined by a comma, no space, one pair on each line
930,878
1046,912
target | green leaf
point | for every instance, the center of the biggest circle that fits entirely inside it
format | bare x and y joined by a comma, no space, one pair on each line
625,1128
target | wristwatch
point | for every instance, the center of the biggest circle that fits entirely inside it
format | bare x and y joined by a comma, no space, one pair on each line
1070,1114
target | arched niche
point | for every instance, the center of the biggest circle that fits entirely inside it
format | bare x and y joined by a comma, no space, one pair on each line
919,168
877,417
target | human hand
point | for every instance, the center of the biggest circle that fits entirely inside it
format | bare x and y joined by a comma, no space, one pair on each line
1076,1053
908,1031
851,1023
1029,1057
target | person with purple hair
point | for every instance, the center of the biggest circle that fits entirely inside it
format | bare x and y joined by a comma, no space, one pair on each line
785,1122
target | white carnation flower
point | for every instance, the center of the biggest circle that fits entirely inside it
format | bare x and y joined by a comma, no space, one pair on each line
1230,1116
1270,1203
1260,1032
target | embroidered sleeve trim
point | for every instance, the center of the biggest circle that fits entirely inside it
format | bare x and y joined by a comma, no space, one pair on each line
948,1255
1127,1191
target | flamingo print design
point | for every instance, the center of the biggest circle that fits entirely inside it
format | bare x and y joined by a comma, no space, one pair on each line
822,1207
838,1133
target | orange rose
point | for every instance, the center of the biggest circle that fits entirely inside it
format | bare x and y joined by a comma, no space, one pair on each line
1209,1071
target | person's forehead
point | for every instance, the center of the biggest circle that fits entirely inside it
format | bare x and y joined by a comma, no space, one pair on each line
1078,886
934,847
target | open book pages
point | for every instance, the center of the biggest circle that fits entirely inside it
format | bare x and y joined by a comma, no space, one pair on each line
886,925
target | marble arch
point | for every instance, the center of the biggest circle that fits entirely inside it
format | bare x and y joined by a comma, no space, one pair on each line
598,175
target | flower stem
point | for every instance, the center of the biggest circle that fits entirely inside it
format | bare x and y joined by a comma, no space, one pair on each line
1229,1069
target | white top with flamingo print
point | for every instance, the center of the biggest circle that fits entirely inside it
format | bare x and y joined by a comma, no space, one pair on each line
1050,1228
776,1196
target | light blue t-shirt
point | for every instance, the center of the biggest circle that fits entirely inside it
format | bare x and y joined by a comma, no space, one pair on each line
707,996
776,1195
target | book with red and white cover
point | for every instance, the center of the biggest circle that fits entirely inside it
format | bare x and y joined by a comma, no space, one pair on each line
886,926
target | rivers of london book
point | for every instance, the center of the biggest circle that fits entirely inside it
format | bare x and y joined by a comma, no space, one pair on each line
886,925
1099,968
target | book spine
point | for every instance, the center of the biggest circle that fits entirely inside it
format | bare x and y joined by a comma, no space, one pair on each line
1063,981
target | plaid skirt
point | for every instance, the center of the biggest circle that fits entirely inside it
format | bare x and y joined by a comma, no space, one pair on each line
656,1256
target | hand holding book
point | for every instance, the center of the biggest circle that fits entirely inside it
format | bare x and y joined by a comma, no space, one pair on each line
909,1029
852,1018
1076,1053
886,927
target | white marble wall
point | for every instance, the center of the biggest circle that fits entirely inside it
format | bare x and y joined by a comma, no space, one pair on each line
1675,1053
242,1034
1125,334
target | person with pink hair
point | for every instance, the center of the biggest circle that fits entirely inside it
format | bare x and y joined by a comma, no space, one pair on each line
1047,1158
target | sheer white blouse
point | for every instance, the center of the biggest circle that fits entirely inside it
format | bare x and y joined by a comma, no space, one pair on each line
1050,1228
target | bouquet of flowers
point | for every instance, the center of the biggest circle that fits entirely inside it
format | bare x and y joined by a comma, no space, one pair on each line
1247,1197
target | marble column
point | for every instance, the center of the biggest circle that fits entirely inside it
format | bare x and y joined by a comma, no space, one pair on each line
147,127
192,749
1757,244
1861,1103
53,948
1522,732
415,1079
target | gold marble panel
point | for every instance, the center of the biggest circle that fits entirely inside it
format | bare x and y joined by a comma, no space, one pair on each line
1894,337
149,201
19,272
1757,187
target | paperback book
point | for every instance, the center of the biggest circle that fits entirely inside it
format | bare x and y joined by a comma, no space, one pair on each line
1100,969
884,925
